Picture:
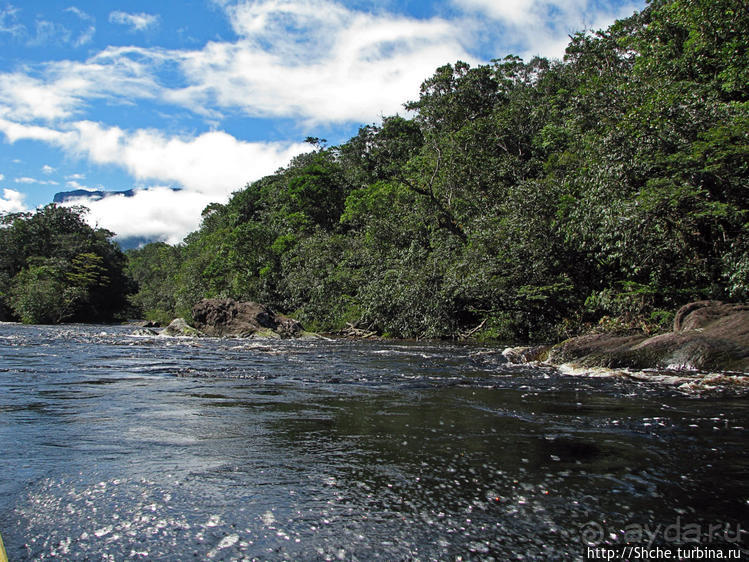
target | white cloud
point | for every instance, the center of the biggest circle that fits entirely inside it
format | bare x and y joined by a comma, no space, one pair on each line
72,184
12,201
313,60
318,61
208,168
49,32
26,98
75,177
213,163
542,27
47,169
17,131
137,22
9,22
158,213
28,180
85,37
2,177
63,88
25,180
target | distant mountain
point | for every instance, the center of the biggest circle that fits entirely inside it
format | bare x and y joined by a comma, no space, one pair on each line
65,196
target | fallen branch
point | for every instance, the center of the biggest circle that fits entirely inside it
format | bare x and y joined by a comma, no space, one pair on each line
469,333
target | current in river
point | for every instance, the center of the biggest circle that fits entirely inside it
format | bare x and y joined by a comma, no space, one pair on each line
116,447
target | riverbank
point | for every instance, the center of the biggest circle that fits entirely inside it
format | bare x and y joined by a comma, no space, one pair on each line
708,346
707,336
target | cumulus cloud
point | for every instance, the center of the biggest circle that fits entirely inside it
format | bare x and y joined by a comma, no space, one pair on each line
137,22
11,201
47,169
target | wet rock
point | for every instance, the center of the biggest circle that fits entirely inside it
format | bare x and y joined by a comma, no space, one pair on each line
526,354
179,327
707,336
227,317
719,318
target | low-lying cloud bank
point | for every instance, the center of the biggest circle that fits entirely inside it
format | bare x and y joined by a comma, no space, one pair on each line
207,168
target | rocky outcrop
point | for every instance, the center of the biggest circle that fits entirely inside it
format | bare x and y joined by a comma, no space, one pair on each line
227,317
707,336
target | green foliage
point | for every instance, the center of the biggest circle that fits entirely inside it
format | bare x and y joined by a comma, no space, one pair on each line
154,268
37,294
519,201
55,268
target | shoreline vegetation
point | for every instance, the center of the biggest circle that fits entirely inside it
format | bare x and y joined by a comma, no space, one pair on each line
589,197
708,336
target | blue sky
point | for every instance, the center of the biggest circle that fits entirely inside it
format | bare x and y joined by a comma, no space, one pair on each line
207,95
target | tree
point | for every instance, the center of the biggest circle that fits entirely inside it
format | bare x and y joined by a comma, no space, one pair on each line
55,267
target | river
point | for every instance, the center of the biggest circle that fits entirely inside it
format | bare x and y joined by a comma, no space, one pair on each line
119,447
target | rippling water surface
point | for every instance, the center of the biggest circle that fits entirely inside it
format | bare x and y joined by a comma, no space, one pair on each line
120,447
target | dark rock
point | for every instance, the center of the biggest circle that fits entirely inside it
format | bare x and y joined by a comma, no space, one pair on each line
708,335
227,317
719,318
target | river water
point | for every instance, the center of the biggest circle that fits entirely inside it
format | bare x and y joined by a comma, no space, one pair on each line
117,447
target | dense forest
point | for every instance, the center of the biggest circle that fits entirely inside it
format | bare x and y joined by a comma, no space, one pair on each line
513,201
56,268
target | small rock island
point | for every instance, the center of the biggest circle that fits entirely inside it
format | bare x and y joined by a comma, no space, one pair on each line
229,318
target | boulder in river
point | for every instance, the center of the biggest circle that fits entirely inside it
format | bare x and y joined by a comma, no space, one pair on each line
707,335
532,354
179,327
227,317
